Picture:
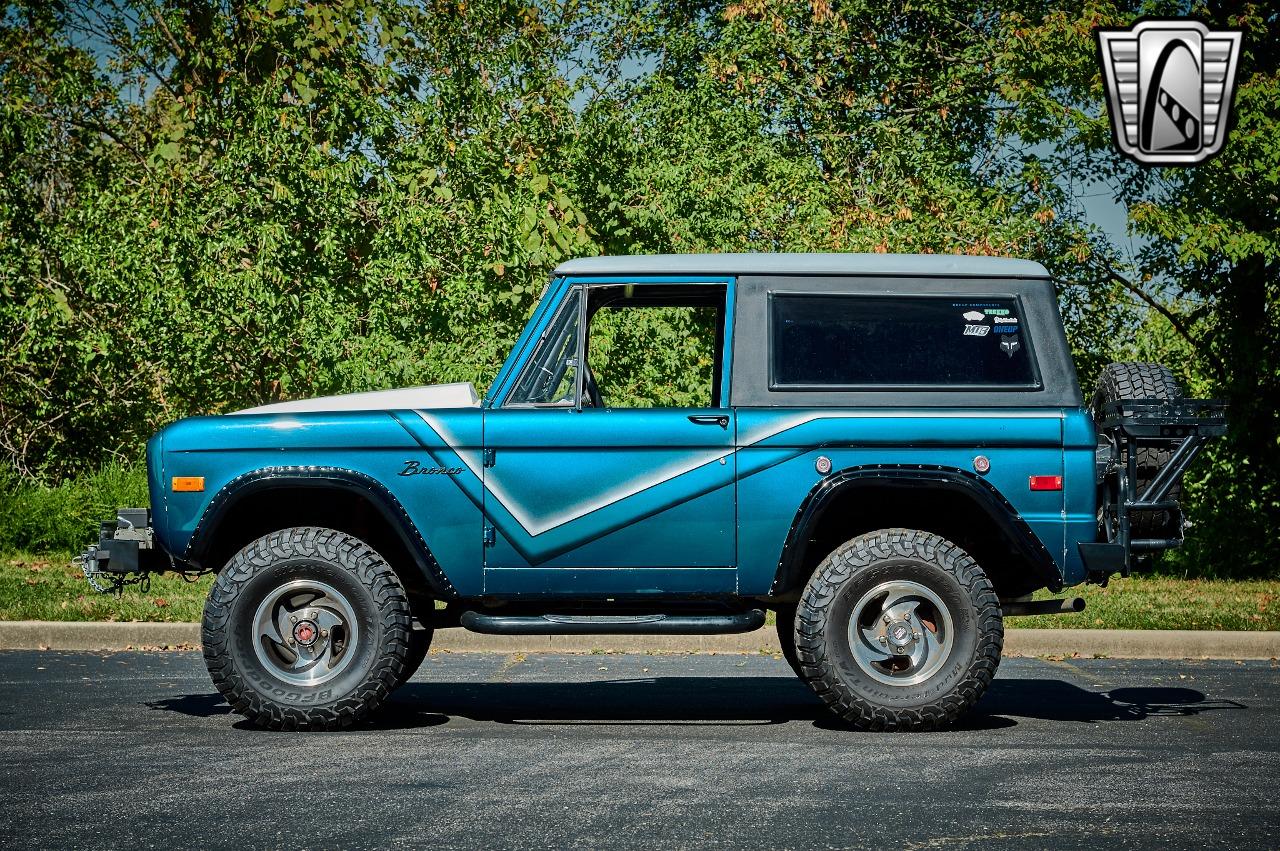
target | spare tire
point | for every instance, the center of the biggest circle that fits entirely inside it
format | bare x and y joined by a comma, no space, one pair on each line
1143,381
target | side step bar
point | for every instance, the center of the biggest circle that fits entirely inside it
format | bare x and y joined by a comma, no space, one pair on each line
658,624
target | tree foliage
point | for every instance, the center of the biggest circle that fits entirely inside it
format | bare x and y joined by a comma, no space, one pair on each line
217,203
1207,272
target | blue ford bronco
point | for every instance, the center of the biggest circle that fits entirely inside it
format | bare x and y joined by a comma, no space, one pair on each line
890,452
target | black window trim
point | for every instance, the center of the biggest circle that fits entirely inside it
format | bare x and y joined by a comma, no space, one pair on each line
720,355
776,387
580,292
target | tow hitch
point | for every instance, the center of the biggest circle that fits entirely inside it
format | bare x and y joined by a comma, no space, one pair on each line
125,553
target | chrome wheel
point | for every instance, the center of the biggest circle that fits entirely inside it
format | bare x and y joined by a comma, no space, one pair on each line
900,633
305,632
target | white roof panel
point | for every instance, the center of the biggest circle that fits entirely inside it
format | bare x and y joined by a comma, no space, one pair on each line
805,264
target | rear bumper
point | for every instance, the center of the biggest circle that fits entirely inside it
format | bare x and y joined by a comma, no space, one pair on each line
1103,559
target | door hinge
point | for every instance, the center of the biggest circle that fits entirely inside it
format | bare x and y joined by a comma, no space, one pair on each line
490,537
490,457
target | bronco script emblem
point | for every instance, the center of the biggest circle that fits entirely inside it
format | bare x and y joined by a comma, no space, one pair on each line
1169,86
413,468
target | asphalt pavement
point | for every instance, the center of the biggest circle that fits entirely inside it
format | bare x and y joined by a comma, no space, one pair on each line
135,750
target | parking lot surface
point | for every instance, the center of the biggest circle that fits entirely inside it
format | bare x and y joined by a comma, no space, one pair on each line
640,751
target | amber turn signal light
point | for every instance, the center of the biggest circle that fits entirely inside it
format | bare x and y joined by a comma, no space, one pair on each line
188,484
1046,483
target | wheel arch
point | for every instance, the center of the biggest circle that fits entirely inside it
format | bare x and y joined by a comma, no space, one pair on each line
272,498
956,504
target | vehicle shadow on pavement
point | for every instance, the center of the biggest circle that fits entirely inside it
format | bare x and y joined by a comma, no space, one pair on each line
1059,700
704,701
193,705
726,701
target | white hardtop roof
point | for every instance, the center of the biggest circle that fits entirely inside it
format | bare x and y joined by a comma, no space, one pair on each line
804,264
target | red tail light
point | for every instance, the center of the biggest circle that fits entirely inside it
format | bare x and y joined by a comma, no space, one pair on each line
1046,483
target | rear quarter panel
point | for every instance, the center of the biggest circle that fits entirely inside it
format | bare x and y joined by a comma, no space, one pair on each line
1080,491
779,447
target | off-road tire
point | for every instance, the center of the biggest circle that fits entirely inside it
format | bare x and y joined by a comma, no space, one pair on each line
785,616
826,659
1143,381
419,644
380,653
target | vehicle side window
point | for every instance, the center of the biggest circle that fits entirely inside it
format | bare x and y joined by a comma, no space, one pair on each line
550,376
869,341
655,346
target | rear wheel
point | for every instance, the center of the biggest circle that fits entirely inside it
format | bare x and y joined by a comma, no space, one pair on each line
899,630
786,625
1120,381
306,628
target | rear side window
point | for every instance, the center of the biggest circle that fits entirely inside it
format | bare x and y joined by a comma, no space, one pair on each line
866,341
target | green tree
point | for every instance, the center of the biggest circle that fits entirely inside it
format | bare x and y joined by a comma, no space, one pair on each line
211,204
1208,271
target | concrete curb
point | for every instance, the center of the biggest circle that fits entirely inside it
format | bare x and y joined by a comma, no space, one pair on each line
95,635
1115,643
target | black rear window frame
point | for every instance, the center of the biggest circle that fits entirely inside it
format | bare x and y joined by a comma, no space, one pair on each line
1026,335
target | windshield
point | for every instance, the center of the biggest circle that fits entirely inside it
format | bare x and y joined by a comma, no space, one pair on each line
551,375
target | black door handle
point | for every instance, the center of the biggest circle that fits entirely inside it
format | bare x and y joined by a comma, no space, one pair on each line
710,419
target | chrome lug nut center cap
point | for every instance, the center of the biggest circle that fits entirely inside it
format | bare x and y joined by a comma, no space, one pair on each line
900,634
305,633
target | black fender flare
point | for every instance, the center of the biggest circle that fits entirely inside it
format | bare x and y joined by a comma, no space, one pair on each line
361,484
972,486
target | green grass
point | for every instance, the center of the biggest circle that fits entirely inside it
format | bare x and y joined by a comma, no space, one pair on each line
49,587
1157,602
52,518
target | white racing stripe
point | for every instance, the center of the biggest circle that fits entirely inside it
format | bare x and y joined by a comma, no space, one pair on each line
535,526
538,525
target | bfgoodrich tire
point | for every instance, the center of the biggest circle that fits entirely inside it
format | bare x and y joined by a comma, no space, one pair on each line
307,629
899,630
419,644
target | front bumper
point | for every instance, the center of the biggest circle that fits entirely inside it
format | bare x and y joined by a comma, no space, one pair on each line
126,548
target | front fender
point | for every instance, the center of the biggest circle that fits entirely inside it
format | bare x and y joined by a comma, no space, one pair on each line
359,452
364,486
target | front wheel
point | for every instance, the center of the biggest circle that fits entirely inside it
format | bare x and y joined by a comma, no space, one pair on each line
308,629
899,630
419,644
